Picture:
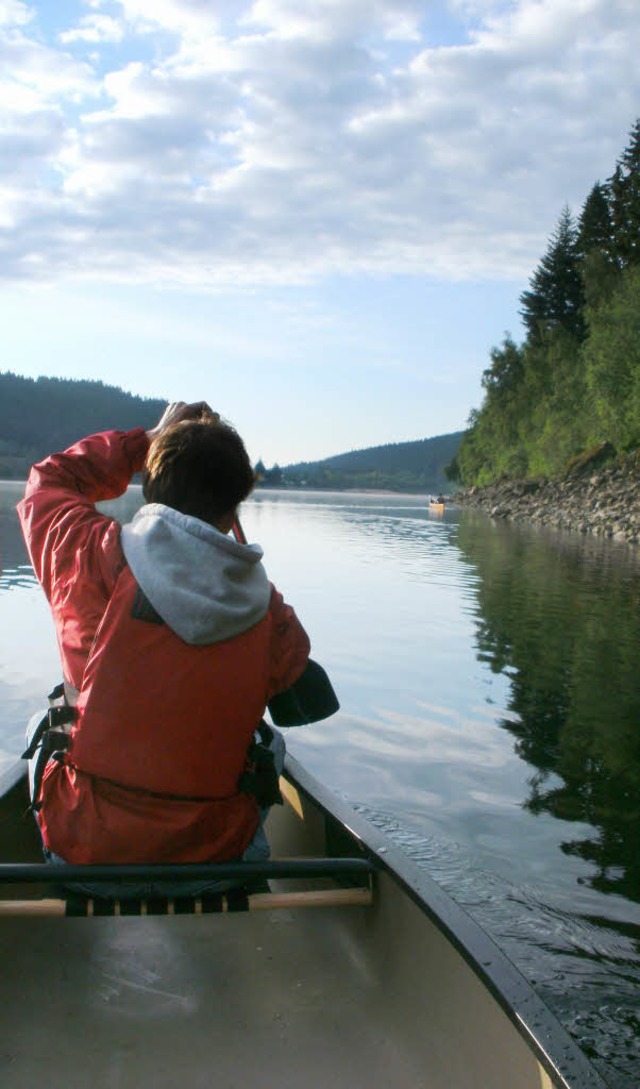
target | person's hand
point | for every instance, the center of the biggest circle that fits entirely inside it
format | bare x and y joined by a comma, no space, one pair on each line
178,411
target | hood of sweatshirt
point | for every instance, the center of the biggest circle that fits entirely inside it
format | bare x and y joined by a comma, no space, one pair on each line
206,586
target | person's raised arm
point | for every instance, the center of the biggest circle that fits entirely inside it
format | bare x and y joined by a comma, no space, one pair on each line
58,514
75,548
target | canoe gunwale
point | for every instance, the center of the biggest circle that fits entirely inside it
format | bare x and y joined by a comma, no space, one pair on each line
557,1052
12,776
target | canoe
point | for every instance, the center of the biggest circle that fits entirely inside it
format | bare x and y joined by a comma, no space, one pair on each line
436,508
356,971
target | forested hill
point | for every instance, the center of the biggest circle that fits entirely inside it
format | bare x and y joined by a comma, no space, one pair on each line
573,387
401,466
38,416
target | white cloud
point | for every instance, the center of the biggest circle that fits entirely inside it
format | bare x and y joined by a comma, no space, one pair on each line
34,75
332,20
189,18
287,139
14,13
94,28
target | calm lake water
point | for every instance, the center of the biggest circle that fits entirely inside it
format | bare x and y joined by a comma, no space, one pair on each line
488,677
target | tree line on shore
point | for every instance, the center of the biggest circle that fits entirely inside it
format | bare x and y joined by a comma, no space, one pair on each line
574,382
417,466
38,416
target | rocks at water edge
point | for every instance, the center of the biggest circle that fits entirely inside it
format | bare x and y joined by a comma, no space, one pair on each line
602,499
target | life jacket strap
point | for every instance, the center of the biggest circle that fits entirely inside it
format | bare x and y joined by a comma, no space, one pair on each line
260,777
50,741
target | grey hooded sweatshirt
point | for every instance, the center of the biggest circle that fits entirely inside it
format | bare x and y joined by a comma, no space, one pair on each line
206,586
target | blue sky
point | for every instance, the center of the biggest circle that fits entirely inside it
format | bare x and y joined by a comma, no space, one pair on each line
318,215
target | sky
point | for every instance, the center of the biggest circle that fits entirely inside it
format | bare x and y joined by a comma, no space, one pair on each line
316,215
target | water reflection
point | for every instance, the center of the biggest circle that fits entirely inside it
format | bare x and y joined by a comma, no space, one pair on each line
559,616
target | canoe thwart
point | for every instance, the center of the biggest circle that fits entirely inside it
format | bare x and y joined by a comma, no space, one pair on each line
245,872
219,903
355,874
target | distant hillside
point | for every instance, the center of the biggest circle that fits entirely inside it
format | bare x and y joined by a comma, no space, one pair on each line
40,415
401,466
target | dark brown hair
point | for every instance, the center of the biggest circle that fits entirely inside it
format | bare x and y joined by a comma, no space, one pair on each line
199,467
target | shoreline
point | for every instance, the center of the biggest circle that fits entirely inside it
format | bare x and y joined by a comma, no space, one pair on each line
602,500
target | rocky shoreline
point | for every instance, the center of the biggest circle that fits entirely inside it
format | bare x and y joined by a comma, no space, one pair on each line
601,499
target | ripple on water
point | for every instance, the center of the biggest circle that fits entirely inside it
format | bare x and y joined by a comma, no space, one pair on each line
569,959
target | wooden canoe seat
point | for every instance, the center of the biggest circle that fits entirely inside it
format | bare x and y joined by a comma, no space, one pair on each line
352,878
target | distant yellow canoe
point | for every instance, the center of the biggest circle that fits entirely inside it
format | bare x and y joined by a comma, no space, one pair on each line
437,508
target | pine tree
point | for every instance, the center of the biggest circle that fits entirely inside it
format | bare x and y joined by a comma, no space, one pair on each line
556,296
596,247
595,229
624,200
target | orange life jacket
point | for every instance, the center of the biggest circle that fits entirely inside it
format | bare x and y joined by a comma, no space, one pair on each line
161,739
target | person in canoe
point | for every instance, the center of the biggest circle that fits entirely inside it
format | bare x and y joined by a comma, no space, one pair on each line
172,641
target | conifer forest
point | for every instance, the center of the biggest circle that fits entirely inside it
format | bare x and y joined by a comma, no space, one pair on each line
574,382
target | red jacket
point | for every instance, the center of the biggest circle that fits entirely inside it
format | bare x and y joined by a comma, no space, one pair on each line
164,724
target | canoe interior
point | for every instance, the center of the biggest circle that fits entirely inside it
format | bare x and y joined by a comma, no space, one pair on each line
327,997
